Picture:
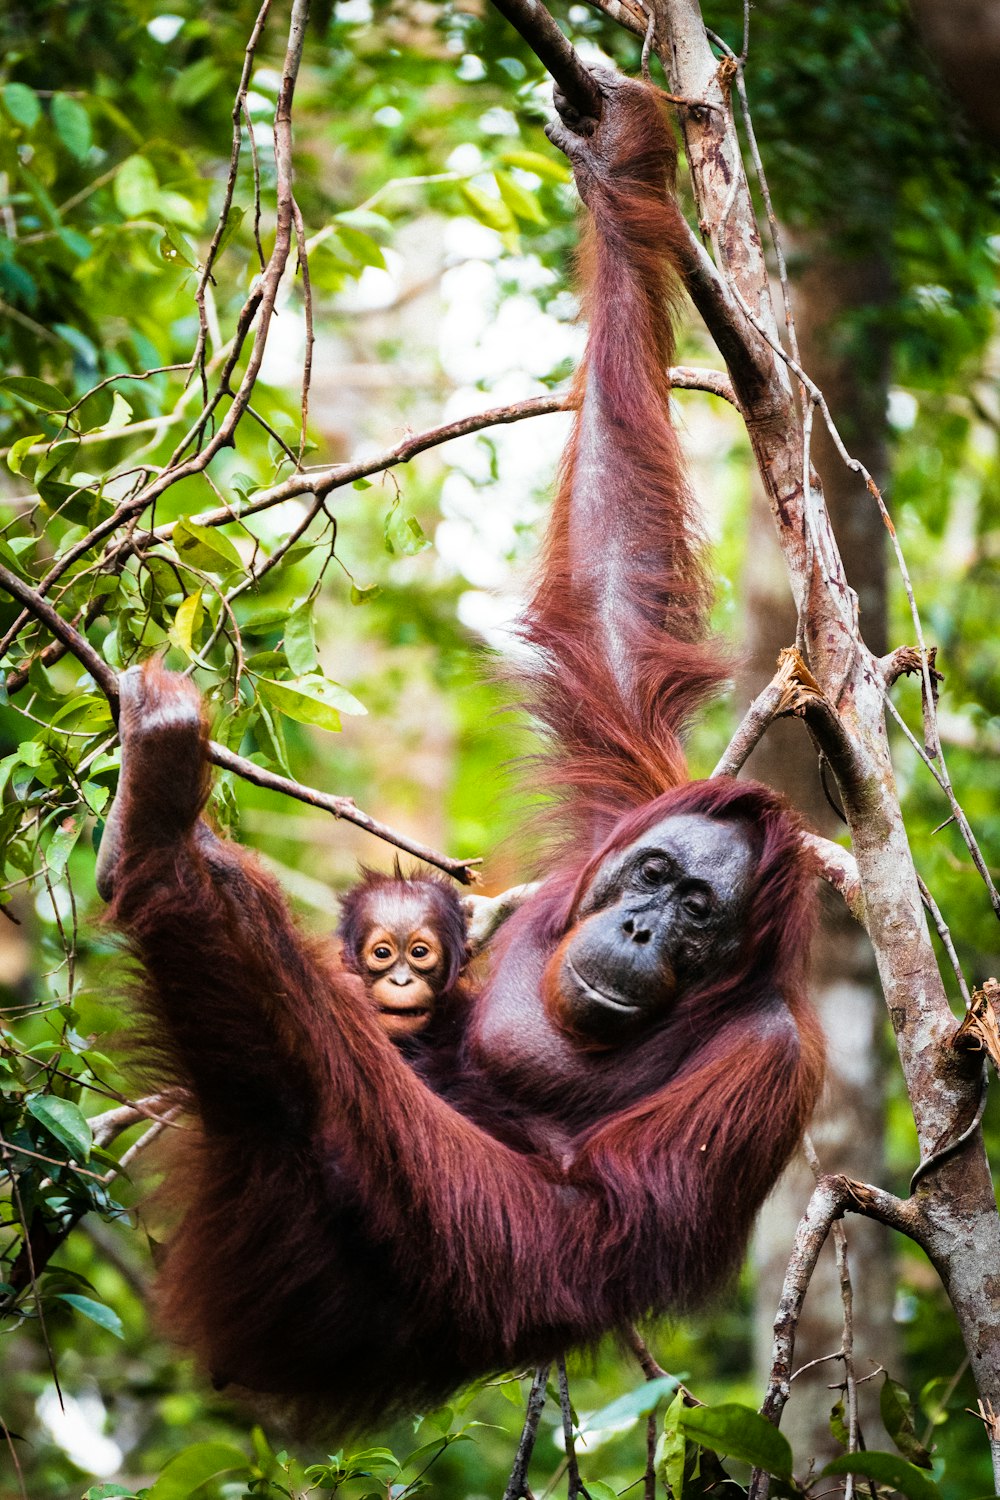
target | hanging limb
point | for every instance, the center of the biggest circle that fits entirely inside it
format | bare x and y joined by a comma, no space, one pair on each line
517,1484
462,870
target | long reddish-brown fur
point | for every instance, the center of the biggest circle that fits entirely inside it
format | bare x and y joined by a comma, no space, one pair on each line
357,1234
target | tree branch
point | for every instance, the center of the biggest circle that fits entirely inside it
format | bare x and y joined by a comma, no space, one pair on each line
555,53
463,870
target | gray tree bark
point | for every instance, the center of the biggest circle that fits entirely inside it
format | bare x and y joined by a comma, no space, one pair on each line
849,1129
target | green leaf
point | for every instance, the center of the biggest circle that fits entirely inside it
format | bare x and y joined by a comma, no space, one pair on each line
104,1317
234,218
109,1492
598,1490
366,219
74,502
638,1403
121,414
205,547
175,250
35,392
187,622
137,192
61,846
72,125
403,534
493,212
312,700
21,103
65,1121
886,1468
896,1408
196,82
19,451
522,204
551,168
672,1449
838,1423
55,457
361,246
188,1470
244,485
300,639
365,595
742,1433
79,245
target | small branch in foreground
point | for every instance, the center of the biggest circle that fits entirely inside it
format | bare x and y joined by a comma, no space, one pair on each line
463,870
517,1484
794,690
831,1198
839,868
779,697
574,1484
105,677
323,481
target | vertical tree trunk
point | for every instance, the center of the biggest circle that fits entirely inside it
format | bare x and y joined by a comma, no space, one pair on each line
852,370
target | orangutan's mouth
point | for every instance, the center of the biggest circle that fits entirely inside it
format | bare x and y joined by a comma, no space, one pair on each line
614,1001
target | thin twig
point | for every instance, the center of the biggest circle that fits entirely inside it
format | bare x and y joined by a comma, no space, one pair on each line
517,1484
574,1484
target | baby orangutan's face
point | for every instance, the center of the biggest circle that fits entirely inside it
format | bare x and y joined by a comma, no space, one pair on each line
403,965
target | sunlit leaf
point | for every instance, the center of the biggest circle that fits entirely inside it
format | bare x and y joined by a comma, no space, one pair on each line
365,595
61,846
137,191
552,168
312,700
19,451
493,212
300,639
187,622
121,414
205,547
522,204
175,250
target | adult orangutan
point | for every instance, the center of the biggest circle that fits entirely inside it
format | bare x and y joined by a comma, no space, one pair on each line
363,1234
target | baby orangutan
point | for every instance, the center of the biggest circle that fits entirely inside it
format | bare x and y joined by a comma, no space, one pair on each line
405,939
